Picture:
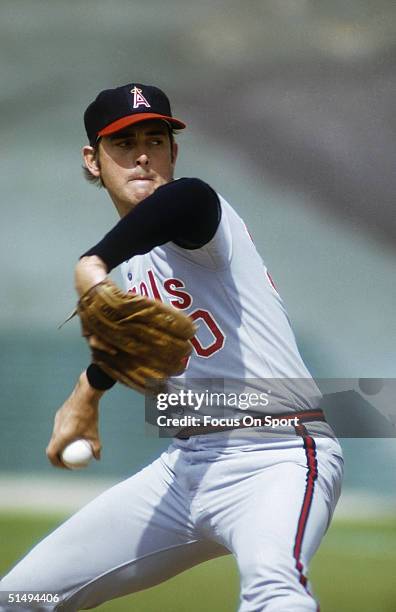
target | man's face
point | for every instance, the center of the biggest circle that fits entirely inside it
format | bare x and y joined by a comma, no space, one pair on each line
134,162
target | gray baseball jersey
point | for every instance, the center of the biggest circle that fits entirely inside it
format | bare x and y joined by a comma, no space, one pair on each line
244,336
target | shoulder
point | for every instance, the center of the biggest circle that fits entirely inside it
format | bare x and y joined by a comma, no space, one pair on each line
192,182
194,186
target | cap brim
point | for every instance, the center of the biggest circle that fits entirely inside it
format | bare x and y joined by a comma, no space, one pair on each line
118,125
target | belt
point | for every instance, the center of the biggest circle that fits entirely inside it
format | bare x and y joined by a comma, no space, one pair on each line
305,416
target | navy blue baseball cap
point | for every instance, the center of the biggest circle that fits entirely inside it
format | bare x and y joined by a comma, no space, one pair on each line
115,109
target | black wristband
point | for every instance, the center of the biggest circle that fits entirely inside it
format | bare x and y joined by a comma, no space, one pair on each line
98,379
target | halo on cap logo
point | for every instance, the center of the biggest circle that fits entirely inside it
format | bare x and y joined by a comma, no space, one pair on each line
138,98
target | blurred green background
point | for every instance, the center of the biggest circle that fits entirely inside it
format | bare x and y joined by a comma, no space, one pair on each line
290,107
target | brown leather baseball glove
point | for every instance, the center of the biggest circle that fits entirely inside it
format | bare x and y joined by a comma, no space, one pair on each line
152,340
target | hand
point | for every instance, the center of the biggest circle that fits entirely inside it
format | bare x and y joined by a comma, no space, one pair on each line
77,418
89,271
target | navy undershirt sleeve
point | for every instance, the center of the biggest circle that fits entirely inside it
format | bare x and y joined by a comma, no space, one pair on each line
186,211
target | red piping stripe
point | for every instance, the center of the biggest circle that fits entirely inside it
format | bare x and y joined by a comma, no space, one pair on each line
312,474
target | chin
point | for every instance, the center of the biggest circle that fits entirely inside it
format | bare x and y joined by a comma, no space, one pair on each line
140,194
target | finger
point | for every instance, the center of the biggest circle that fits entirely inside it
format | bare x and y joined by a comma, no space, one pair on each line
97,454
96,448
54,457
95,343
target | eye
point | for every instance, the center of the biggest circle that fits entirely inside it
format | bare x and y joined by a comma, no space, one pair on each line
124,143
157,141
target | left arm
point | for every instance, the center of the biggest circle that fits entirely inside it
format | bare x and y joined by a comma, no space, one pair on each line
186,211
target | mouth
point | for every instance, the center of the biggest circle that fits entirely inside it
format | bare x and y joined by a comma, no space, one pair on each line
141,178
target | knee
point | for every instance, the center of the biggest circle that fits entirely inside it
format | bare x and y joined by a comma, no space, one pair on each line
273,584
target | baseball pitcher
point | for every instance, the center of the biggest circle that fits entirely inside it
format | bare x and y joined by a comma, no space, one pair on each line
252,469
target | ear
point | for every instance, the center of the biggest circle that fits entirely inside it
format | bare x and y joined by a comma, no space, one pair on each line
91,161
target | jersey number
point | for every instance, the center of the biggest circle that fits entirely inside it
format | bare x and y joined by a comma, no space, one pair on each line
218,336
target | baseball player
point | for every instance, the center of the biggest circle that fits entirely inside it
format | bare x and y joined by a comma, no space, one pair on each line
228,486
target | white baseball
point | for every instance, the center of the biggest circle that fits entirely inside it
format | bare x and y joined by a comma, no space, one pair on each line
77,454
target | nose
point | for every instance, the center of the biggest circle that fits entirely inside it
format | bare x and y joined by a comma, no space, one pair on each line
142,160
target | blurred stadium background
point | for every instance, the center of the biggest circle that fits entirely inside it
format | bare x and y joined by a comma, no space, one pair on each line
290,106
